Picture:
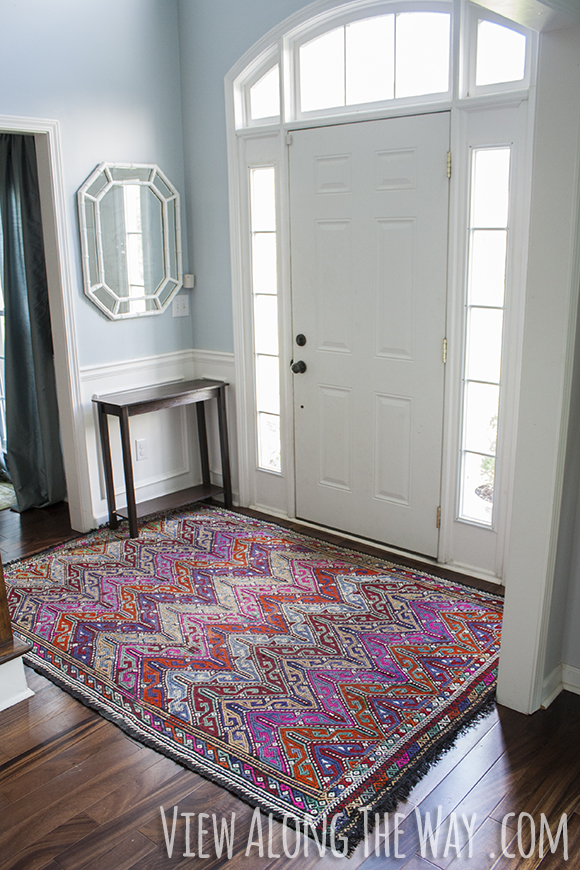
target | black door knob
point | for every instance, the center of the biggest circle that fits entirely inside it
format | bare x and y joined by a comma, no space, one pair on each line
299,367
300,339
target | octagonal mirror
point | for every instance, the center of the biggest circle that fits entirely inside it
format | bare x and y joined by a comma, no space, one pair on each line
130,239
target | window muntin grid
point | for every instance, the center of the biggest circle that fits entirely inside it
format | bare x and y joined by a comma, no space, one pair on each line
488,229
265,315
403,54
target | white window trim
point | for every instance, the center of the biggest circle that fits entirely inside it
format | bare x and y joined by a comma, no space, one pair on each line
469,21
293,43
263,64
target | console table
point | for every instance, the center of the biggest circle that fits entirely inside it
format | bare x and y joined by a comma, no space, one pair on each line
141,401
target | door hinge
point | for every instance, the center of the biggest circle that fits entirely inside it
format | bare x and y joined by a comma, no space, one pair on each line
438,522
444,352
289,139
449,164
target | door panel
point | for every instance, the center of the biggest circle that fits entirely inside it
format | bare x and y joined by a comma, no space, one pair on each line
369,212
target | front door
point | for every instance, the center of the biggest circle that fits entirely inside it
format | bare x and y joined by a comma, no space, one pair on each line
369,216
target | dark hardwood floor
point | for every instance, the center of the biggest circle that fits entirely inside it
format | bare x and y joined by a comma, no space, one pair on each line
33,530
76,792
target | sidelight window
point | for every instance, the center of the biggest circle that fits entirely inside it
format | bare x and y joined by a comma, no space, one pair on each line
484,314
265,314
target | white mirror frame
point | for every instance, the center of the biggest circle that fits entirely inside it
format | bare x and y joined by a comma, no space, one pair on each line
114,306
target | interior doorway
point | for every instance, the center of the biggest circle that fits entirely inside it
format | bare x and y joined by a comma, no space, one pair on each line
61,291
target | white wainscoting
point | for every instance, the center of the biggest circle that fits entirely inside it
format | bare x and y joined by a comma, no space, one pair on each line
172,461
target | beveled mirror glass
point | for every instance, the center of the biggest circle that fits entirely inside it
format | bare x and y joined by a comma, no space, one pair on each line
130,239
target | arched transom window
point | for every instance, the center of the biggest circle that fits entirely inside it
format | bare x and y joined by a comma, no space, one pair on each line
368,61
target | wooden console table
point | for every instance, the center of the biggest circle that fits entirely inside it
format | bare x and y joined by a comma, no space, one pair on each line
141,401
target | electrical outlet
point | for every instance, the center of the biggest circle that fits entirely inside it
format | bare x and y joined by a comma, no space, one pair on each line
140,448
180,306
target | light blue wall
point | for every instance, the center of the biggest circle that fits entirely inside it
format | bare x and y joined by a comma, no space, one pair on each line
214,34
108,71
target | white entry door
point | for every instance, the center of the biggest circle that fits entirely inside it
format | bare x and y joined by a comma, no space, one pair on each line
369,216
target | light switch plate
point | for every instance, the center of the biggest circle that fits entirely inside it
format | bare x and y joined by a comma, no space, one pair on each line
180,306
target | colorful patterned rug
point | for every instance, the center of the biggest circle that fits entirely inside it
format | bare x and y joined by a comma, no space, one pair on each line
309,680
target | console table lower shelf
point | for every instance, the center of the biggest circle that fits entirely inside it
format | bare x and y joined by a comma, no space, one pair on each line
142,401
172,500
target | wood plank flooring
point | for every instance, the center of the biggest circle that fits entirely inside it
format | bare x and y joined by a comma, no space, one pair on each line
76,793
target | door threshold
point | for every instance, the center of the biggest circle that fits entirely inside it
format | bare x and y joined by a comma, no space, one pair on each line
458,573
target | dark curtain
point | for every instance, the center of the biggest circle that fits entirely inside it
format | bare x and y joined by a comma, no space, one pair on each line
34,455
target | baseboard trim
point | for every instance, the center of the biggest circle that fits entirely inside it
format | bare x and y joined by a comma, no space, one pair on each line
562,678
571,678
552,686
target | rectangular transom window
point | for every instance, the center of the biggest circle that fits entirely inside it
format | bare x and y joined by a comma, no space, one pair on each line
376,59
485,299
500,54
265,299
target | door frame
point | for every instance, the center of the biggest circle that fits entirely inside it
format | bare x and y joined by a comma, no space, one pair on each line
546,330
465,546
46,134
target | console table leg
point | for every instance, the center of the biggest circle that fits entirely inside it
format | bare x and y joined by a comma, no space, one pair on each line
107,466
202,437
128,468
224,448
6,635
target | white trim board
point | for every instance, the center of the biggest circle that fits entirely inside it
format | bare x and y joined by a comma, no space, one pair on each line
562,678
61,301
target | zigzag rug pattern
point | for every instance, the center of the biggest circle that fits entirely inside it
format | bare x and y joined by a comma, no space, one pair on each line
307,679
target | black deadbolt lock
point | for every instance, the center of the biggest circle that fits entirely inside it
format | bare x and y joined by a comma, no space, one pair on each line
300,340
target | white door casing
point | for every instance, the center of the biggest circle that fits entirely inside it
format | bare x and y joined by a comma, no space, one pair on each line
369,217
61,294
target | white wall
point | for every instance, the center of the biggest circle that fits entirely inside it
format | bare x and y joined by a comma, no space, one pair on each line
108,71
214,34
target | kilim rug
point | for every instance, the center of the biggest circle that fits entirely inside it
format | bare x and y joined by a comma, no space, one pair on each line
310,680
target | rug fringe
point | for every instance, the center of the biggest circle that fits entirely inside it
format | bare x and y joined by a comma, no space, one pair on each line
355,835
